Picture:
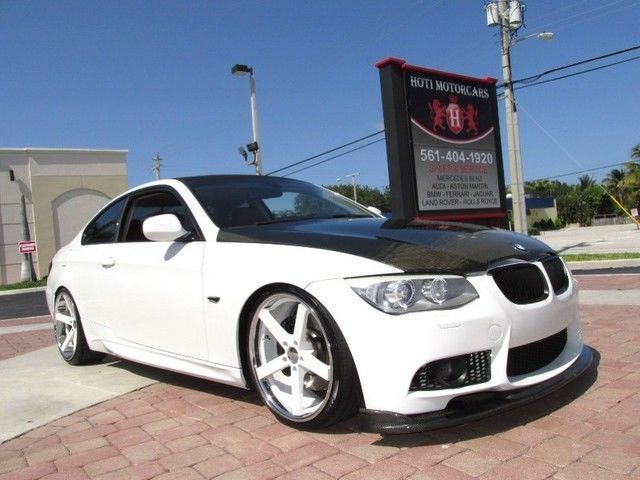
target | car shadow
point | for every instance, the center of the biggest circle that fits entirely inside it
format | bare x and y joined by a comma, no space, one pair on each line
577,245
502,422
184,380
481,428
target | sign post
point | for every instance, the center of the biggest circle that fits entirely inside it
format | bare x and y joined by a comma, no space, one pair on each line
443,146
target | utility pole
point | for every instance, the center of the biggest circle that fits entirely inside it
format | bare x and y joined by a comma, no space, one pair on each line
354,183
508,16
157,164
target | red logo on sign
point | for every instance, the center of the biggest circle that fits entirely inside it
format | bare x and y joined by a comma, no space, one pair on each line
453,117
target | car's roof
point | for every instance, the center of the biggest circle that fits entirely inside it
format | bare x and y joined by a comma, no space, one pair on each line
258,178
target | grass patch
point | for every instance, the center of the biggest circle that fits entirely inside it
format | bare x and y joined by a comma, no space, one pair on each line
22,285
585,257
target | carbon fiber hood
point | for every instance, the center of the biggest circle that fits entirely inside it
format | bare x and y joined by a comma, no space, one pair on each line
434,247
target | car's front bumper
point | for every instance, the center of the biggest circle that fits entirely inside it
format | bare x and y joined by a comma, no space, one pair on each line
389,350
474,406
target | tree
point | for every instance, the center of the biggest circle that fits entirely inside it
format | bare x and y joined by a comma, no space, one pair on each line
631,181
613,183
586,181
367,196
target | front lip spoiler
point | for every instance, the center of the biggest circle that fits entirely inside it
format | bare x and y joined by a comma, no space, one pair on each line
472,407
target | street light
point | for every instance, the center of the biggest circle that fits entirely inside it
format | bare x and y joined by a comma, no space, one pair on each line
353,182
253,147
508,16
544,36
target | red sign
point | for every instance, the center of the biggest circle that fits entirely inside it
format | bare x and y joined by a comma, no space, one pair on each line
27,247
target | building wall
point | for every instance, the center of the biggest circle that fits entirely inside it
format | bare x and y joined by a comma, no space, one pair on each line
63,189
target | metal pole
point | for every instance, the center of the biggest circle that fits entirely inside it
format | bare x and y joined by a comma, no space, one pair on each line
519,208
156,166
254,122
355,192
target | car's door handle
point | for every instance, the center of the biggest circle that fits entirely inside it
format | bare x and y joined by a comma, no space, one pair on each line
108,262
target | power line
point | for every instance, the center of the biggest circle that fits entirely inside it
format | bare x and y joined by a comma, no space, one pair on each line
534,78
336,156
606,8
581,72
522,80
580,171
325,153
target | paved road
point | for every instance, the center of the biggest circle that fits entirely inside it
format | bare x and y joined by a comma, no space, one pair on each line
23,305
178,427
604,239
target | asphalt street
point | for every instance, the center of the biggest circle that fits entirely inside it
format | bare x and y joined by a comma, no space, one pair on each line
22,305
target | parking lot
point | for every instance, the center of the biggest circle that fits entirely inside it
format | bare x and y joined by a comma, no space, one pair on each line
139,422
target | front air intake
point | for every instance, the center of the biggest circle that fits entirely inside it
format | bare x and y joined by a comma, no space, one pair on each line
521,283
533,356
453,372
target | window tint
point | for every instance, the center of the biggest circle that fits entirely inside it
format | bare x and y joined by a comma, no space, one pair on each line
152,204
104,228
233,201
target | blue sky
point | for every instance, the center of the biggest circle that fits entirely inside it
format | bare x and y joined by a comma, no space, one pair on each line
155,76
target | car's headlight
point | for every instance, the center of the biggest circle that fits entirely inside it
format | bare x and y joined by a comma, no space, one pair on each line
414,294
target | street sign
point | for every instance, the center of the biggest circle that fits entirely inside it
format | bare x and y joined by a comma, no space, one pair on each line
27,246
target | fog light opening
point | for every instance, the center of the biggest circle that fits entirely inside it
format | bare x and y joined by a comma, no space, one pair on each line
451,372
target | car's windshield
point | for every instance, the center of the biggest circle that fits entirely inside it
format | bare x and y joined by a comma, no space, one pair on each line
233,201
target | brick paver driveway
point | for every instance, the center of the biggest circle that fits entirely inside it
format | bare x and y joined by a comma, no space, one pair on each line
191,429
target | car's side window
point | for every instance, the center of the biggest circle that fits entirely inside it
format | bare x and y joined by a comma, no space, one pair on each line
104,228
149,205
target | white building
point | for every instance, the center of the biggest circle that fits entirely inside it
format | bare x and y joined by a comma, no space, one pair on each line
62,188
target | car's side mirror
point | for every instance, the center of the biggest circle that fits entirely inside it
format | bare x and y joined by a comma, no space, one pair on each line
375,210
163,228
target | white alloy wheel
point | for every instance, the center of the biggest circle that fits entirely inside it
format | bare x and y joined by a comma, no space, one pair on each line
291,357
67,330
65,325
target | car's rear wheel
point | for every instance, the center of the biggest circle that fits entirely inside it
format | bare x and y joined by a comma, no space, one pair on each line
299,361
68,332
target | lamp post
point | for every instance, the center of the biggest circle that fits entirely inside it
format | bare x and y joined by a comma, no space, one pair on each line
354,183
508,16
253,147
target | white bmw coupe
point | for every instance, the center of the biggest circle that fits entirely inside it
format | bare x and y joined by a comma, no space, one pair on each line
318,303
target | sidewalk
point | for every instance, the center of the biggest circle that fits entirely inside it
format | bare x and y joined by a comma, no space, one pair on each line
171,426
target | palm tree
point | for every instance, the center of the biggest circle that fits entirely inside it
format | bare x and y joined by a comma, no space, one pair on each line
586,181
613,183
631,182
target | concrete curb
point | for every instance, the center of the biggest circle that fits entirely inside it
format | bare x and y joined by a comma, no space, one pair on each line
602,264
22,290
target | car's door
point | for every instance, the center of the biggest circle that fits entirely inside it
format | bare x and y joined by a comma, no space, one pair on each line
85,263
153,290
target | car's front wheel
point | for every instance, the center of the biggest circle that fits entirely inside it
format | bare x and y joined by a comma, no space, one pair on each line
68,332
299,361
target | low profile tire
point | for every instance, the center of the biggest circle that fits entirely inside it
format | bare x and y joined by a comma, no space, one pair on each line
299,361
67,330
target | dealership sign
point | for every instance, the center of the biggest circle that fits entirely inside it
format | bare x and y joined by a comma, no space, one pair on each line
443,145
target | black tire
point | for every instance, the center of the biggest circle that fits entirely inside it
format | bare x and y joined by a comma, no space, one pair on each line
68,332
330,399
